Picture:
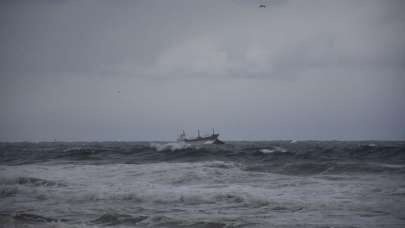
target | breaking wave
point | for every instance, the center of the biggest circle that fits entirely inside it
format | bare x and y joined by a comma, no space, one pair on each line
170,146
276,149
113,219
30,181
304,157
172,185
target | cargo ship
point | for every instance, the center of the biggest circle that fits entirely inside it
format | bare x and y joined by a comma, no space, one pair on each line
209,139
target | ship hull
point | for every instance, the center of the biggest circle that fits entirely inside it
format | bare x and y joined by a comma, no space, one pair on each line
205,141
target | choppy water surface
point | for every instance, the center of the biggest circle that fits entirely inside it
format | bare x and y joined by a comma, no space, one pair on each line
241,184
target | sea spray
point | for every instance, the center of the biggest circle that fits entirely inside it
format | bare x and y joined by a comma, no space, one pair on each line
170,146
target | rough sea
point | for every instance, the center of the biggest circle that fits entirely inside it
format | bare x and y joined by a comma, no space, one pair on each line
240,184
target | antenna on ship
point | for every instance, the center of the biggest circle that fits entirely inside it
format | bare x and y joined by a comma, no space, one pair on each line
198,130
213,131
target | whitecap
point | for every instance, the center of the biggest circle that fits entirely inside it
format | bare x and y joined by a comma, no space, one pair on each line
273,150
170,146
266,151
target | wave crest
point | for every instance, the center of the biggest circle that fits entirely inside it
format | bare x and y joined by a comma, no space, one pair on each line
170,146
113,219
31,181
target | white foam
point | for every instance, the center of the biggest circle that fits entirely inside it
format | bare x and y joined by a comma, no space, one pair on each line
195,187
273,150
160,183
266,151
170,146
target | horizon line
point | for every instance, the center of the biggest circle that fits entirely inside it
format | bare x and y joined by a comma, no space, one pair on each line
231,140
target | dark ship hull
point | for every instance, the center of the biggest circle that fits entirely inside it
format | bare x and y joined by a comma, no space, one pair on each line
212,139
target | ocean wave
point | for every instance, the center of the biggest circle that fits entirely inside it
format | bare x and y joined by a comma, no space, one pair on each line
20,219
312,168
192,195
166,183
31,181
114,219
166,221
276,149
187,195
310,156
27,218
8,191
202,193
170,146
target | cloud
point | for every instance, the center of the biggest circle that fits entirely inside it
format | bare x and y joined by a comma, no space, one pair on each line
161,39
288,38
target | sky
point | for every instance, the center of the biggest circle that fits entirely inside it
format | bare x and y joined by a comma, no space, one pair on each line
97,70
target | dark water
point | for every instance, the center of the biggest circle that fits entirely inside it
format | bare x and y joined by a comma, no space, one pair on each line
240,184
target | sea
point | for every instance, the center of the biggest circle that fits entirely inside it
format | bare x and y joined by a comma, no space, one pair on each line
239,184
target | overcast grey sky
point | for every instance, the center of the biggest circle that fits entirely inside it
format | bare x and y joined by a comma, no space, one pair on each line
143,70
